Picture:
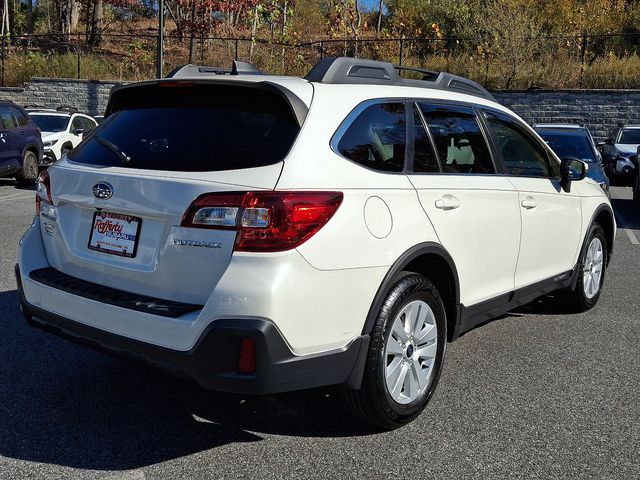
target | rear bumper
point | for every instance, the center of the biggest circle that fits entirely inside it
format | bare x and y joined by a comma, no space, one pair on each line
212,362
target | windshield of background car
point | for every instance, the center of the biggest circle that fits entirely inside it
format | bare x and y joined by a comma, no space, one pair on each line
630,136
574,144
192,128
51,123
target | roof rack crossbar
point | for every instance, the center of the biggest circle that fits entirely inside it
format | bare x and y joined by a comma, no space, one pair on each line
428,74
348,70
237,68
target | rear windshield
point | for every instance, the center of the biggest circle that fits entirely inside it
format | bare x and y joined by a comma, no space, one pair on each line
574,144
191,128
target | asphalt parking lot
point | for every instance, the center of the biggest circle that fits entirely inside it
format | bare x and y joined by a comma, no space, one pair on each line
536,394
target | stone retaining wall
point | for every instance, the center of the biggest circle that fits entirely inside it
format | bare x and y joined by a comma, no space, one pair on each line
600,110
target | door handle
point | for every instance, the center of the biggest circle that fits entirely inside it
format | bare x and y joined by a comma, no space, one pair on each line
447,202
529,203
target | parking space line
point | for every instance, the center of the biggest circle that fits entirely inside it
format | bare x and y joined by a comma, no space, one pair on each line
16,198
625,226
11,196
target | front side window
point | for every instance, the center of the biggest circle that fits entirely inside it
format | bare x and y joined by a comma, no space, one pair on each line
76,124
521,153
87,124
458,139
376,138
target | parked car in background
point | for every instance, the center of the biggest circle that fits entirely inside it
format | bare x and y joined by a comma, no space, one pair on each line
62,129
619,154
574,140
20,144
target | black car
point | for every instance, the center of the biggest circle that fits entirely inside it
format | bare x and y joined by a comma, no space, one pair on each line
619,153
573,140
20,144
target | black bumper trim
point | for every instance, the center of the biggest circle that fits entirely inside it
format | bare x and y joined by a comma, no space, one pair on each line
119,298
212,361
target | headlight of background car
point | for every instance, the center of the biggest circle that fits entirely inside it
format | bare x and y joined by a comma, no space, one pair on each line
50,143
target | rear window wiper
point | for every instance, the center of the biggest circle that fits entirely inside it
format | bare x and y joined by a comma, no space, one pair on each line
124,158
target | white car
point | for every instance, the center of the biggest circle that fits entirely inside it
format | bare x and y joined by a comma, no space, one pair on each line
263,234
62,130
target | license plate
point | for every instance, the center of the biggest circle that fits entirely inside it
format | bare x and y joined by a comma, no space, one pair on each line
115,234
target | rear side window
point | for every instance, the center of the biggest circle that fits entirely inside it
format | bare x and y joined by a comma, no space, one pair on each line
521,153
20,117
376,138
458,139
192,128
424,157
7,120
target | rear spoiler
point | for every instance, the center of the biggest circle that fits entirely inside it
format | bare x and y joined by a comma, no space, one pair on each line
297,106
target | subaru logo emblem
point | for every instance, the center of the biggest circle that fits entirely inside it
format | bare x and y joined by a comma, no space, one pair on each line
102,190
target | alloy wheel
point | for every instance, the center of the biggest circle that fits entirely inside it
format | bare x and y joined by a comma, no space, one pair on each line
592,268
410,352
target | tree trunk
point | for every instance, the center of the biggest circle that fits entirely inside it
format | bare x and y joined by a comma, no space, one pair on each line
254,27
12,20
379,17
74,14
30,17
65,17
192,35
97,21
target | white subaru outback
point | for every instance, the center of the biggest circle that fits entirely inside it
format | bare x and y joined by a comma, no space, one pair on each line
263,234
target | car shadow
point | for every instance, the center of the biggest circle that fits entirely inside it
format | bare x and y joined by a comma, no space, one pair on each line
67,405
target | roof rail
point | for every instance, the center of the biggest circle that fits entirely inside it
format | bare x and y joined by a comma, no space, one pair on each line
67,108
237,68
347,70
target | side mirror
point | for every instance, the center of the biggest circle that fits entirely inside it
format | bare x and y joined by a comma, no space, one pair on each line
608,141
571,170
78,131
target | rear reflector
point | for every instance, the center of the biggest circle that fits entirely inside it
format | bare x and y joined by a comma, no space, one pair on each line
247,356
265,221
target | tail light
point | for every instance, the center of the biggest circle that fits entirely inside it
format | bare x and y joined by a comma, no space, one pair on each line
265,221
43,190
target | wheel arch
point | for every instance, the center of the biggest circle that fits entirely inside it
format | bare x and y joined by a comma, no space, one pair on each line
32,147
434,262
603,216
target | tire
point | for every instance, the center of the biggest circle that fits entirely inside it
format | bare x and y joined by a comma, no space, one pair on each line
65,150
591,271
28,174
377,403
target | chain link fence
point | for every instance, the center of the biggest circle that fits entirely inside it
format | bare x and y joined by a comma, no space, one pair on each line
507,62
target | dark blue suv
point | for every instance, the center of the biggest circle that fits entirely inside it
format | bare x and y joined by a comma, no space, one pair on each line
20,144
575,141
